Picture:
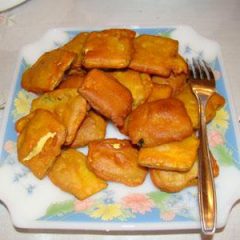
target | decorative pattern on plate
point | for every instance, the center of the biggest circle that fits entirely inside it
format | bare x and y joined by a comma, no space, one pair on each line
117,204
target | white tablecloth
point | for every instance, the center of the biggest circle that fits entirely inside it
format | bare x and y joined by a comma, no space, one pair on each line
215,19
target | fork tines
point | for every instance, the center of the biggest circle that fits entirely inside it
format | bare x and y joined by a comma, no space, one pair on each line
199,69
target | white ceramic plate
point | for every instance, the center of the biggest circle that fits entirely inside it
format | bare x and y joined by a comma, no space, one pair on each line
39,204
7,4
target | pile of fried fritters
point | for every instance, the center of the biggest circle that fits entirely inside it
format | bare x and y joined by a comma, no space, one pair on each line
139,83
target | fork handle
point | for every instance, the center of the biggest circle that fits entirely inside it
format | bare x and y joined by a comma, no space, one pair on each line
206,186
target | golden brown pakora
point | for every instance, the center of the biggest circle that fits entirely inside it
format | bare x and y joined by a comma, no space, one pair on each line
173,156
191,105
71,174
68,105
92,128
107,96
139,84
109,49
40,141
160,91
75,45
172,181
46,74
159,122
157,55
177,82
116,160
74,79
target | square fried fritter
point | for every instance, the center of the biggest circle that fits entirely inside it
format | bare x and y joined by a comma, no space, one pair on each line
139,84
177,82
157,55
172,181
92,128
109,49
40,141
116,160
47,72
76,45
71,174
160,91
107,96
191,105
73,80
68,105
174,156
159,122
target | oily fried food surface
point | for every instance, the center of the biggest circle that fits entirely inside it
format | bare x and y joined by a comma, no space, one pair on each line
47,72
116,160
159,122
157,55
68,105
76,46
139,84
173,181
160,91
71,174
92,128
191,105
40,141
176,82
175,156
109,49
107,96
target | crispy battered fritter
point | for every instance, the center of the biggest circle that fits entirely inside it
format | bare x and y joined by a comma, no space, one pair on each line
75,45
160,91
46,74
107,96
116,160
174,156
172,181
71,174
177,82
92,128
191,105
139,84
40,141
159,122
109,49
68,105
157,55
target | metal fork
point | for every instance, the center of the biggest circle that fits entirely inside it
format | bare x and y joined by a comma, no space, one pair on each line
202,81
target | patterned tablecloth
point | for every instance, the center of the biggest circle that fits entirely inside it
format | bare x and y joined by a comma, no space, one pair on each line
216,19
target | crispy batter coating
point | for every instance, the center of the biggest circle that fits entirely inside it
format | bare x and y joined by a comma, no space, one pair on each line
116,160
107,96
92,128
47,72
40,141
173,156
71,174
191,105
177,82
172,181
139,84
109,49
159,122
69,106
160,91
73,80
76,46
157,55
